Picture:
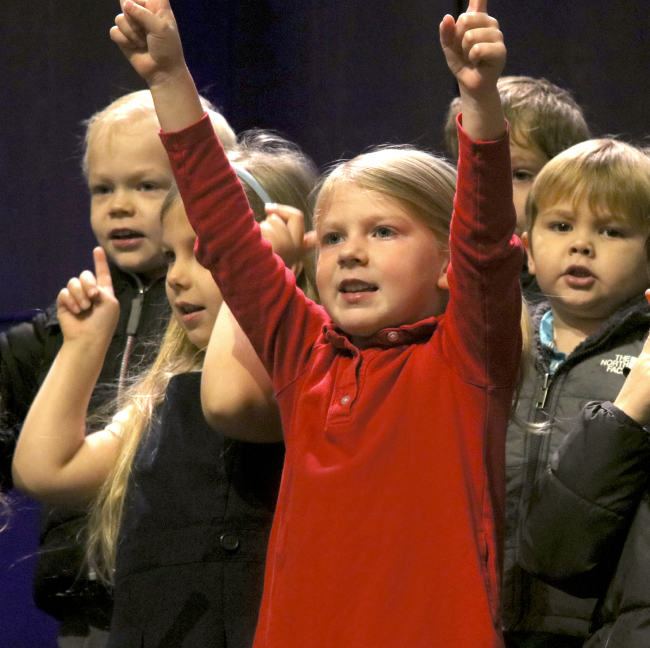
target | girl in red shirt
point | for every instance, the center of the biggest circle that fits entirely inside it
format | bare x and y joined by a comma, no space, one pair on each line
394,394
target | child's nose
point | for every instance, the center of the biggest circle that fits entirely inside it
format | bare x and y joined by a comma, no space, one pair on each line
177,277
353,252
582,246
121,204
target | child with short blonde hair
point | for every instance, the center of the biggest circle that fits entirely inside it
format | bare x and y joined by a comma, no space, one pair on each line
395,394
586,241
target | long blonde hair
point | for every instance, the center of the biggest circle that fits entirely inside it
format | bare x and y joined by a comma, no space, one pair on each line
177,355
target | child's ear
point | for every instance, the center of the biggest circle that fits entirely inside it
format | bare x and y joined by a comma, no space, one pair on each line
442,278
531,262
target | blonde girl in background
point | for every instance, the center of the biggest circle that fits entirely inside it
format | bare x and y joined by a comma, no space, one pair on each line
181,514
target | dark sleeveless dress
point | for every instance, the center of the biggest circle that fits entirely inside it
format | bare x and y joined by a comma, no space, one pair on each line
198,513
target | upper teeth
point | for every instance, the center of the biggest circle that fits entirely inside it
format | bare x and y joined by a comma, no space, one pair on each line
356,286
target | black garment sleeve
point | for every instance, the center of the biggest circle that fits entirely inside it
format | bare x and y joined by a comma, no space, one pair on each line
583,504
26,352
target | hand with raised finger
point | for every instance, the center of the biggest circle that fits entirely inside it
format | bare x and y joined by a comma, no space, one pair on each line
473,46
475,53
284,228
147,34
87,307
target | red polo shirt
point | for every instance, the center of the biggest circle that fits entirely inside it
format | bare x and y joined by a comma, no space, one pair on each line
389,522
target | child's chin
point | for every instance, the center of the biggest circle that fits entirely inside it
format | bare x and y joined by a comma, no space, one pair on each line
149,267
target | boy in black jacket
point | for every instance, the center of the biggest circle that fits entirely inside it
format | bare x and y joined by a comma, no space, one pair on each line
587,226
588,526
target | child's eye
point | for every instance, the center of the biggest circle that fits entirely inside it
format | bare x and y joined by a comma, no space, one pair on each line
384,232
521,175
613,232
170,257
560,227
100,190
331,238
149,186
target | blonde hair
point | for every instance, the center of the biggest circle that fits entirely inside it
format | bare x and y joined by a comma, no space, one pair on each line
286,174
539,113
139,105
423,184
177,355
606,172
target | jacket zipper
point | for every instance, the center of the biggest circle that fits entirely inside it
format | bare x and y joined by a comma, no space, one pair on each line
131,330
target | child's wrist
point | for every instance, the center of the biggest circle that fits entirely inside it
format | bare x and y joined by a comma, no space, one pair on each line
636,408
483,117
177,101
169,79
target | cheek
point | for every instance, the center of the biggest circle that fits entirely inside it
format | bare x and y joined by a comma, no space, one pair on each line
209,289
150,219
169,292
96,220
323,269
520,191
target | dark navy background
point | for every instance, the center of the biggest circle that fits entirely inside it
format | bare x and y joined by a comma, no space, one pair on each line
335,76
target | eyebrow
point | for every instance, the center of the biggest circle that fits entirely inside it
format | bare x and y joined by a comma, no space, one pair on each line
553,211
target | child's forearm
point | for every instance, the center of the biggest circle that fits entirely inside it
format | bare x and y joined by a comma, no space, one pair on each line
177,101
236,391
483,118
53,461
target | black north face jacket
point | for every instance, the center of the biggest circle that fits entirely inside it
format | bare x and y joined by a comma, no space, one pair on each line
588,526
547,410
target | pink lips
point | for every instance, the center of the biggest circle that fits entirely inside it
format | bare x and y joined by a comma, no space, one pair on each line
189,312
125,239
355,290
580,277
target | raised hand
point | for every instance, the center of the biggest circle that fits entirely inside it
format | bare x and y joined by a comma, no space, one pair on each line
146,32
473,47
475,53
634,397
87,307
284,228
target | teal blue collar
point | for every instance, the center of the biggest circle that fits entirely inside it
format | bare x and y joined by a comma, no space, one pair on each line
547,338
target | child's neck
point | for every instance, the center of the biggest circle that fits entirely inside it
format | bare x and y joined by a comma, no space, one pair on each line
569,332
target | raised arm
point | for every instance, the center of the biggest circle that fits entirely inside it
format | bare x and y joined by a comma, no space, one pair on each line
55,460
236,391
482,320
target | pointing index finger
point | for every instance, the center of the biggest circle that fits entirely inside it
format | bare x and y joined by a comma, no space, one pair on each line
102,271
477,6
